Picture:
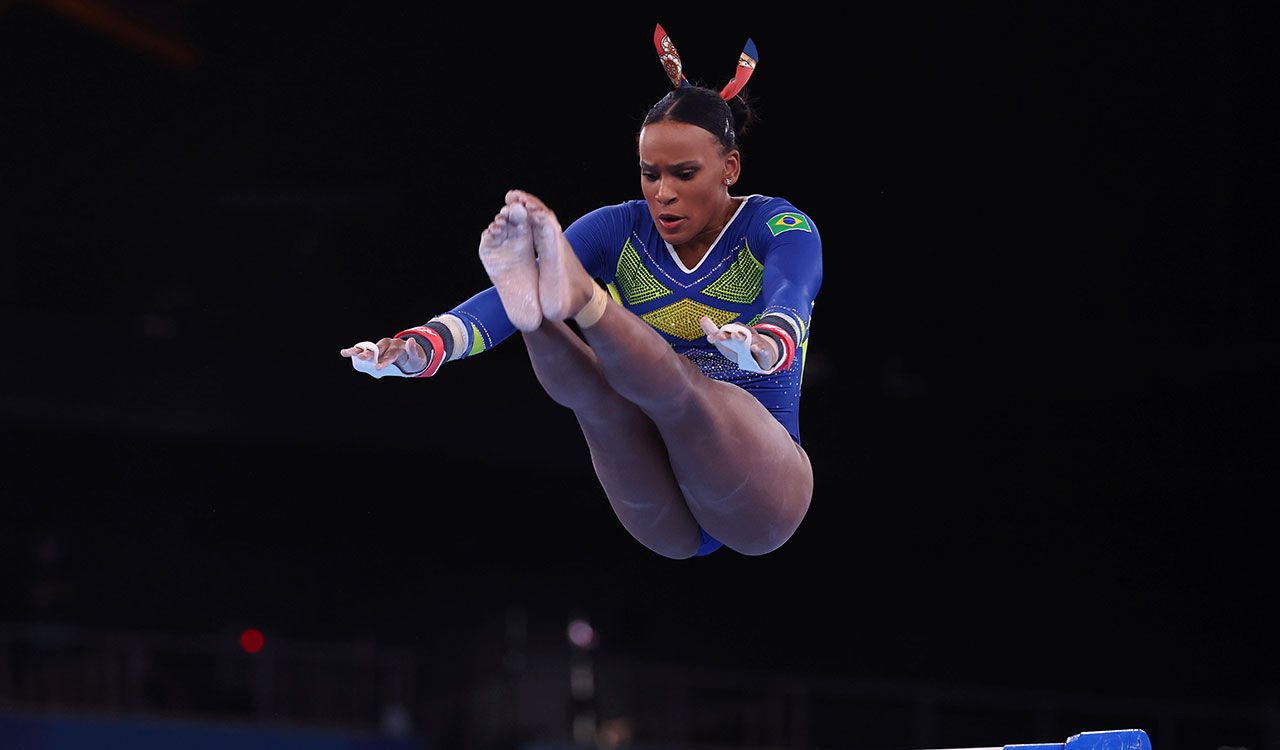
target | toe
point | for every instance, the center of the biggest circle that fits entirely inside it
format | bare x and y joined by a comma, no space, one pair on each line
528,199
542,217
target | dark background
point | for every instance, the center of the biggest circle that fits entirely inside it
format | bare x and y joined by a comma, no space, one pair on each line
1038,403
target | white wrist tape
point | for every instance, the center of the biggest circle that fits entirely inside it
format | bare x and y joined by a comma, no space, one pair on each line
366,365
739,352
458,330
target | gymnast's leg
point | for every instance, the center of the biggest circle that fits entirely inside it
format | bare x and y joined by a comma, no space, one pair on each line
745,480
629,455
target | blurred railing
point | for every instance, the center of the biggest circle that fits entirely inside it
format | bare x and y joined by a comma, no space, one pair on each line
357,686
546,695
742,708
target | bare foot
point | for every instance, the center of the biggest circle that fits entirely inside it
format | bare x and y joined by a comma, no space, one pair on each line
564,286
506,250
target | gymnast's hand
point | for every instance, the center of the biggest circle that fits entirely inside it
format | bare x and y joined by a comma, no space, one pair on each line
403,353
734,337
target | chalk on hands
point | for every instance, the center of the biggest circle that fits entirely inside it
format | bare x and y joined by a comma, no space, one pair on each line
369,365
737,347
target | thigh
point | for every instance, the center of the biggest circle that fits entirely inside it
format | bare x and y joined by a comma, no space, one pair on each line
632,463
746,481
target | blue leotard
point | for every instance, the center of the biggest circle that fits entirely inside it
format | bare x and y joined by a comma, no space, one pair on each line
767,262
766,266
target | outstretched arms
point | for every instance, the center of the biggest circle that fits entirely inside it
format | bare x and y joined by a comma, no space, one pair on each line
480,323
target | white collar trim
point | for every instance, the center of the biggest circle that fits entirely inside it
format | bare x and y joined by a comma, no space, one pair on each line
707,254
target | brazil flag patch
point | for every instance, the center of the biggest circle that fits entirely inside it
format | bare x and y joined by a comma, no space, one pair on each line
785,222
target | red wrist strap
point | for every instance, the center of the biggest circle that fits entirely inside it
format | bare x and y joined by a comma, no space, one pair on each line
790,354
437,349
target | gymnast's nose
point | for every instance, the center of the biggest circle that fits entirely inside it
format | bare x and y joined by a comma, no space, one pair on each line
666,191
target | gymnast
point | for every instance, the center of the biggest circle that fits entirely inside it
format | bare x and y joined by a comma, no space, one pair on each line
674,327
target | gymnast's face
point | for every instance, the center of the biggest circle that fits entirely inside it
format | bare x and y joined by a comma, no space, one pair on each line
682,175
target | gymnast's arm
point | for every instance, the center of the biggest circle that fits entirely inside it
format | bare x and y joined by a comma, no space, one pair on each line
477,325
792,278
480,323
792,262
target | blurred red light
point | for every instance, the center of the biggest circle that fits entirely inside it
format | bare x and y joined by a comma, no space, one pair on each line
251,640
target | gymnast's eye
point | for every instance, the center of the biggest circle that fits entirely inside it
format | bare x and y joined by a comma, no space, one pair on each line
685,175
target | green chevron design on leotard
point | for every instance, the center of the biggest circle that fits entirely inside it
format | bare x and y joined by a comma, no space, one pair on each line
804,358
739,283
477,341
634,280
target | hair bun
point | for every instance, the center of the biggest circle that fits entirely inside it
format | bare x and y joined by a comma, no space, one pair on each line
744,115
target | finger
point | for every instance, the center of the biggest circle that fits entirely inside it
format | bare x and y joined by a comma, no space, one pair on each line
388,358
389,352
709,327
412,354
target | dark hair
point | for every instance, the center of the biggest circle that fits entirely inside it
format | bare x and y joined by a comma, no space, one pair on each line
728,121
